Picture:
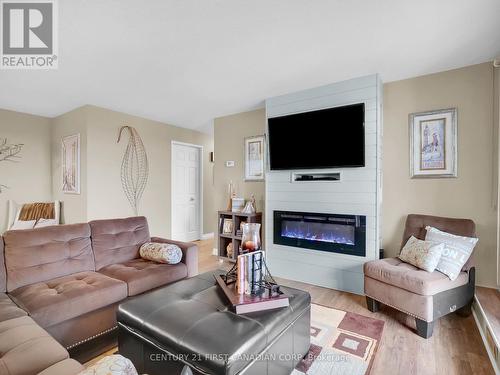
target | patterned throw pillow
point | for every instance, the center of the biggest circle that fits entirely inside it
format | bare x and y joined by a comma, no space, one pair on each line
422,254
111,365
457,251
23,224
161,252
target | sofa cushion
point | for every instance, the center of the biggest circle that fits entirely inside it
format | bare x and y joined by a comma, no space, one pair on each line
142,275
26,348
60,299
8,309
67,367
393,271
36,255
118,240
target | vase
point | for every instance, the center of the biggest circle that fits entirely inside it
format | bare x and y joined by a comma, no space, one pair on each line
229,250
250,241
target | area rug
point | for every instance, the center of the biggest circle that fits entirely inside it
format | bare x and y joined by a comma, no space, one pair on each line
341,343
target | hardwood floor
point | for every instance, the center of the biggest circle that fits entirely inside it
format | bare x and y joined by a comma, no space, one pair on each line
455,347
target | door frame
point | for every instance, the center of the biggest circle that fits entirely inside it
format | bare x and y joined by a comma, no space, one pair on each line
200,183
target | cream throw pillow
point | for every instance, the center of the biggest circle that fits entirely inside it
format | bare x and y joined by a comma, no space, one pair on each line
161,252
23,224
45,223
422,254
111,365
457,250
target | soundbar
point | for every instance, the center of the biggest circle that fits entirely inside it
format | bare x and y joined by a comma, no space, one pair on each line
310,177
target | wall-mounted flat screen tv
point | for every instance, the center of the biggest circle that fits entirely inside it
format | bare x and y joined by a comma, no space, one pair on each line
327,138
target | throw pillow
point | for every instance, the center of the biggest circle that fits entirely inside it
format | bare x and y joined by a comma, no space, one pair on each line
45,223
23,224
161,252
457,250
422,254
111,365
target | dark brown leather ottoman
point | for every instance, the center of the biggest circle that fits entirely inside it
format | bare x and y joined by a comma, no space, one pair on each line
187,327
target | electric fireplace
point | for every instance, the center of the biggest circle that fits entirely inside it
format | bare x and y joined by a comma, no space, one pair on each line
345,234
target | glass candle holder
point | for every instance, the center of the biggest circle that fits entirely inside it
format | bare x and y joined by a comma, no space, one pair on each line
250,240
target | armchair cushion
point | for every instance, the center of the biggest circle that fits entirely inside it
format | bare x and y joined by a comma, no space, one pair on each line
415,226
394,272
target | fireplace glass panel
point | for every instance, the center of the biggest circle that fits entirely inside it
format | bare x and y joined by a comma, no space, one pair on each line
337,233
325,232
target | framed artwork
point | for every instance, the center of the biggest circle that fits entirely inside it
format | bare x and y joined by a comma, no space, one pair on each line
71,164
254,158
227,226
433,144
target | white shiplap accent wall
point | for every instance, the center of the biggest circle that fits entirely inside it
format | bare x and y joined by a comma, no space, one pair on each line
359,192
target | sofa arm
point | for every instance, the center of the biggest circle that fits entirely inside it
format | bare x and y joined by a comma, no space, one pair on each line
189,254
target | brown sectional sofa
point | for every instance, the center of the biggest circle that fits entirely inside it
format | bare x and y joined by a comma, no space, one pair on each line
61,286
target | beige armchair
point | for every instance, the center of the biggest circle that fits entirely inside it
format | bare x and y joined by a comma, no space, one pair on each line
423,295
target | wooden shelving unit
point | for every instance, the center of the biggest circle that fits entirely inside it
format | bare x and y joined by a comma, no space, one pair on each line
224,239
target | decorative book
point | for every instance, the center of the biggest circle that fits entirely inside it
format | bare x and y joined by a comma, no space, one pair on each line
250,287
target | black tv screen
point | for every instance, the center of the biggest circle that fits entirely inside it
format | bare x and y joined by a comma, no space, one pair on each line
327,138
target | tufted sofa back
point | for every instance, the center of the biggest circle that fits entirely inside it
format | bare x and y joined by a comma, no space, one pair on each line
35,255
118,240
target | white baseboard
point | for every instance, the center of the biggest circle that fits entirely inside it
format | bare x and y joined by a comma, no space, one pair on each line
207,236
483,334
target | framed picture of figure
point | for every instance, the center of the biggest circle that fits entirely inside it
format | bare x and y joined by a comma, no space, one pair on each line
254,158
227,226
433,144
71,164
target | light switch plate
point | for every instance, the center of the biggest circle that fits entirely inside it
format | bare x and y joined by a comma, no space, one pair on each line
229,163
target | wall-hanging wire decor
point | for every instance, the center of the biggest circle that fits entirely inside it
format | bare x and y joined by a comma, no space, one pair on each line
134,170
9,152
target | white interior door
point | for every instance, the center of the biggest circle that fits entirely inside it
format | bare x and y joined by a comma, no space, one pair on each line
186,192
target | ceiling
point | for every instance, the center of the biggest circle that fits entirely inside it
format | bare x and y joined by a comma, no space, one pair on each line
186,62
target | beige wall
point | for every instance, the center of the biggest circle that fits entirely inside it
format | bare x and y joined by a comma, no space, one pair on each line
471,195
28,179
73,206
105,197
497,156
229,135
37,176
